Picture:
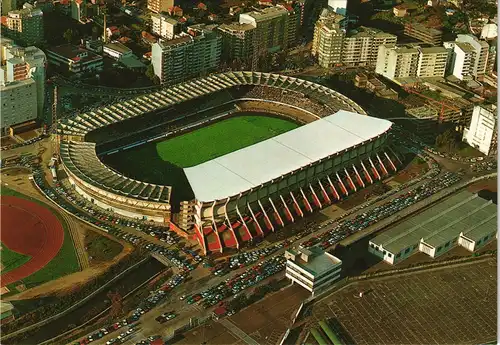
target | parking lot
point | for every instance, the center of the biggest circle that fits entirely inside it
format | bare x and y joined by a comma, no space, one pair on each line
451,305
254,321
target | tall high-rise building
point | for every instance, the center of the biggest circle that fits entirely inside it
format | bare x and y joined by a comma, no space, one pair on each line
186,56
462,59
26,25
482,131
237,41
432,61
273,26
18,103
164,26
397,61
328,39
158,6
22,63
481,51
360,46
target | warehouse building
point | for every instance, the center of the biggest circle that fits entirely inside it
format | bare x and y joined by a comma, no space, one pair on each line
464,219
312,268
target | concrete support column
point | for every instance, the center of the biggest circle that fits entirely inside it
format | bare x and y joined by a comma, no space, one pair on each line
268,222
349,179
382,166
243,222
306,202
344,189
296,206
276,213
315,197
391,163
288,213
325,194
257,225
374,169
367,174
332,187
360,180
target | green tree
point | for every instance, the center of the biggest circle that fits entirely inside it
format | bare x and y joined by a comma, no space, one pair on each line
150,72
68,35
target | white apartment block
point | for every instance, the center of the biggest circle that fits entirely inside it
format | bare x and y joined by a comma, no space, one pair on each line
312,268
432,62
158,6
20,63
186,56
397,61
481,50
361,46
18,103
463,61
328,39
482,131
164,26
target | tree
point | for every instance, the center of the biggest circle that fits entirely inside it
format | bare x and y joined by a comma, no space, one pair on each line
448,140
150,72
68,35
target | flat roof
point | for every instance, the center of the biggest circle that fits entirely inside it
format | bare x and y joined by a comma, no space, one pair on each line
252,166
318,262
463,212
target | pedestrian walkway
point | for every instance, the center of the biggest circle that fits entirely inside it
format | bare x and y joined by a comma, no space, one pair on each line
235,330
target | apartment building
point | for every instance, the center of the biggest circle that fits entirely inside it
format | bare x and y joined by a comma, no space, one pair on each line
312,268
237,41
21,63
432,62
463,60
18,103
158,6
482,131
26,25
273,29
481,51
328,39
397,61
186,56
164,26
424,34
360,47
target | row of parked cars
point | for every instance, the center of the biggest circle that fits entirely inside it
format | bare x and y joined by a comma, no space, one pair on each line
347,227
172,255
232,286
109,329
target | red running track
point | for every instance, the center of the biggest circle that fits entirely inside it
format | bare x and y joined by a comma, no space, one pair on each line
31,229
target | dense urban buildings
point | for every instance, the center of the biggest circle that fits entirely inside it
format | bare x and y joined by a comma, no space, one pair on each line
187,55
26,25
463,219
312,268
397,61
328,39
432,62
237,41
361,46
159,6
482,131
22,74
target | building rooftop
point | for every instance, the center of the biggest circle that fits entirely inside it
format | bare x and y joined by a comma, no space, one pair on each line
318,261
266,14
72,52
433,50
117,46
252,166
422,112
423,28
235,26
17,83
466,47
463,212
178,40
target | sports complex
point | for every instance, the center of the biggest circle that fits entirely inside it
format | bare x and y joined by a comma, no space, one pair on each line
228,157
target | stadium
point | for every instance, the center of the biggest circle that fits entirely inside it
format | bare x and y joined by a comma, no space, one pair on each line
226,158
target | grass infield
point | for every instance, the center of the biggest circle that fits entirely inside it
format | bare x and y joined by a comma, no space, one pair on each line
11,259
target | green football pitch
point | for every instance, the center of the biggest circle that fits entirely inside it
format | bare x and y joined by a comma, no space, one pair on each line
220,138
161,162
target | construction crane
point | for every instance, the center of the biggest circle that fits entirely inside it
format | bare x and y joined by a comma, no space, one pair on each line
443,105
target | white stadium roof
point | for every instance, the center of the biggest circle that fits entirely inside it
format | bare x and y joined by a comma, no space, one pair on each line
252,166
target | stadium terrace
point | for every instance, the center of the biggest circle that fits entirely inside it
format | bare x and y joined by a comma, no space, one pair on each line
247,193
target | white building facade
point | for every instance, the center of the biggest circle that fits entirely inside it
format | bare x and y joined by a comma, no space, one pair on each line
482,132
18,103
312,268
164,26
